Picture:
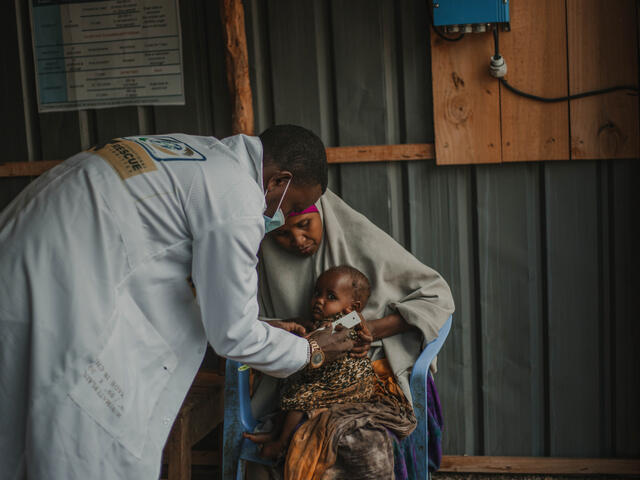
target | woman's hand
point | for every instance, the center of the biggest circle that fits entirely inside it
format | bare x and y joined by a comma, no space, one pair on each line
363,344
289,326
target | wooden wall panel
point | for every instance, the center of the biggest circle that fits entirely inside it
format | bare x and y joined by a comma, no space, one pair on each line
440,206
535,51
510,276
603,52
578,336
466,101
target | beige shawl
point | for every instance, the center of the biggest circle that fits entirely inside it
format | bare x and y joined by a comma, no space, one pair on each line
400,283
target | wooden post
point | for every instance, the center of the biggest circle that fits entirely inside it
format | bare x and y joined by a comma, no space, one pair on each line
237,62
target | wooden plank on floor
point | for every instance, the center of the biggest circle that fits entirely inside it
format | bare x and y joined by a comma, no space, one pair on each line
466,102
540,465
510,289
603,53
575,289
536,56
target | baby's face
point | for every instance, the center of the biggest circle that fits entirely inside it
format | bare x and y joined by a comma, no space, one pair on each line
333,294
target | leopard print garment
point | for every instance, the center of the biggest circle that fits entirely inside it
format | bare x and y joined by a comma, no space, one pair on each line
347,380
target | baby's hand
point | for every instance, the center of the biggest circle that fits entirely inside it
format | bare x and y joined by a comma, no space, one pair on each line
364,340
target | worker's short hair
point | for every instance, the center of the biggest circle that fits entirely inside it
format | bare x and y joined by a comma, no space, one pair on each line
359,282
298,150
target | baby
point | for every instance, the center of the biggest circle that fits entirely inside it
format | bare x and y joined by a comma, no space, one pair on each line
338,291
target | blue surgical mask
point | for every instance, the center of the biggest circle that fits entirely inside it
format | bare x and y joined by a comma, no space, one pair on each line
271,223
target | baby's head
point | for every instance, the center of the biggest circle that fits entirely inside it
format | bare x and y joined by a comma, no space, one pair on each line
339,290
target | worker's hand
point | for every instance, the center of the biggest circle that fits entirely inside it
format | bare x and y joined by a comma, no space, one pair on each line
363,344
289,326
333,345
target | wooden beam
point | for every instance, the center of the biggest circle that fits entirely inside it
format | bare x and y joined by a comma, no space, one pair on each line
540,465
26,169
371,153
380,153
237,63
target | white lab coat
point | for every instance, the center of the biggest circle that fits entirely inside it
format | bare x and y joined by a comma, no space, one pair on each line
100,336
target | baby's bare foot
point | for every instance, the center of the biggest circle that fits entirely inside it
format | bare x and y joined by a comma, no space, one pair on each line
262,437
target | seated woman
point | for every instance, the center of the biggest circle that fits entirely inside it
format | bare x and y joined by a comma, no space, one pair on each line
409,305
338,292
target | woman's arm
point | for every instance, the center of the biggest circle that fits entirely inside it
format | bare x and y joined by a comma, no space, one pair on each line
387,326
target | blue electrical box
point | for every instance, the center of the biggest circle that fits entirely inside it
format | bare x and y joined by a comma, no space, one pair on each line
470,12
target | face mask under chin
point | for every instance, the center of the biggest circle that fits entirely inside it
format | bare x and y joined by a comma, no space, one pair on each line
277,220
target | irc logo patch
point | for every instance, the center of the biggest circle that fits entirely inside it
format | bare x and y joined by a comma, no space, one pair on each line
168,149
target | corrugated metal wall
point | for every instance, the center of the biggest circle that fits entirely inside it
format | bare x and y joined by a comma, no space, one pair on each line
541,256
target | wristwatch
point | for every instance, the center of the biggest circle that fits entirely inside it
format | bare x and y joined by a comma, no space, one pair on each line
317,355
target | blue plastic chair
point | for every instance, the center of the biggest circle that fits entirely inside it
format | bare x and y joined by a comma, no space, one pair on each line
238,417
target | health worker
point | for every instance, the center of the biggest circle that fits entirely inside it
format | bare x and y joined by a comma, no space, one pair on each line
100,334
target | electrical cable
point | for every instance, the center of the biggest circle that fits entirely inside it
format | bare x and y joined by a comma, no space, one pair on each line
530,96
590,93
438,32
444,37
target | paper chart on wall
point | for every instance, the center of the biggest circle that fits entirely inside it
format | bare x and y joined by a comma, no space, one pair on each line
106,53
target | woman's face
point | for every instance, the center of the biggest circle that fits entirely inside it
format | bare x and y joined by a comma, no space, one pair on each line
301,234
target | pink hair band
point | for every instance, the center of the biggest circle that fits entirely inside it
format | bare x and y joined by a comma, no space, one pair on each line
311,209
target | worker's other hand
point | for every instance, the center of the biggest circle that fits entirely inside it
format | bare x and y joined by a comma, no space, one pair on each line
289,326
305,322
333,345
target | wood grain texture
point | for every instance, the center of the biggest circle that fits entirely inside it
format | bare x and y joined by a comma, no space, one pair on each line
26,169
466,102
380,153
537,465
535,52
237,61
603,52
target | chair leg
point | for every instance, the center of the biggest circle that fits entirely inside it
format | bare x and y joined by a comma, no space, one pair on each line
241,470
179,451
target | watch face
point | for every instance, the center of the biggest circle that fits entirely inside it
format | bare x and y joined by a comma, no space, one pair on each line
316,358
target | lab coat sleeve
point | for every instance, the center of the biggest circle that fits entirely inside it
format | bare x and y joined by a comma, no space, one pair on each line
225,275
